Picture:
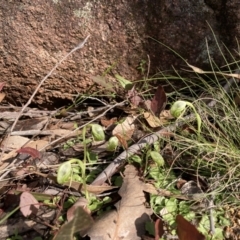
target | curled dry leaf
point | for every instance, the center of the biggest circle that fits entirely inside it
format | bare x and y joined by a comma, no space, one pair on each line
180,183
159,231
125,129
186,230
159,101
34,153
108,122
122,140
28,204
152,120
134,98
165,116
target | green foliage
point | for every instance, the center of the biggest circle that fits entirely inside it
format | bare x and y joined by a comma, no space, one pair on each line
157,158
96,204
135,158
97,132
112,144
64,172
142,66
178,109
149,226
126,84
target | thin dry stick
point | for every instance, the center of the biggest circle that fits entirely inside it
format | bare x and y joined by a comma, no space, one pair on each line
150,139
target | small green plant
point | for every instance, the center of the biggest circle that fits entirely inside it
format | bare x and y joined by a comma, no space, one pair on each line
97,132
178,109
112,144
142,66
73,168
96,204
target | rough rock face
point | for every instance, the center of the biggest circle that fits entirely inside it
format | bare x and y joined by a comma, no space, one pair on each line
36,34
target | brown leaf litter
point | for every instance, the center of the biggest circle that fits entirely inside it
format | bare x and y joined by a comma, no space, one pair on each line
128,220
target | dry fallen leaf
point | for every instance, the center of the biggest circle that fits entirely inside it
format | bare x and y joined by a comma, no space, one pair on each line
90,188
200,71
134,98
159,231
165,116
125,129
34,153
108,122
14,142
159,101
90,111
81,202
2,96
79,223
28,204
122,140
128,221
149,188
186,230
38,144
31,124
152,120
62,132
